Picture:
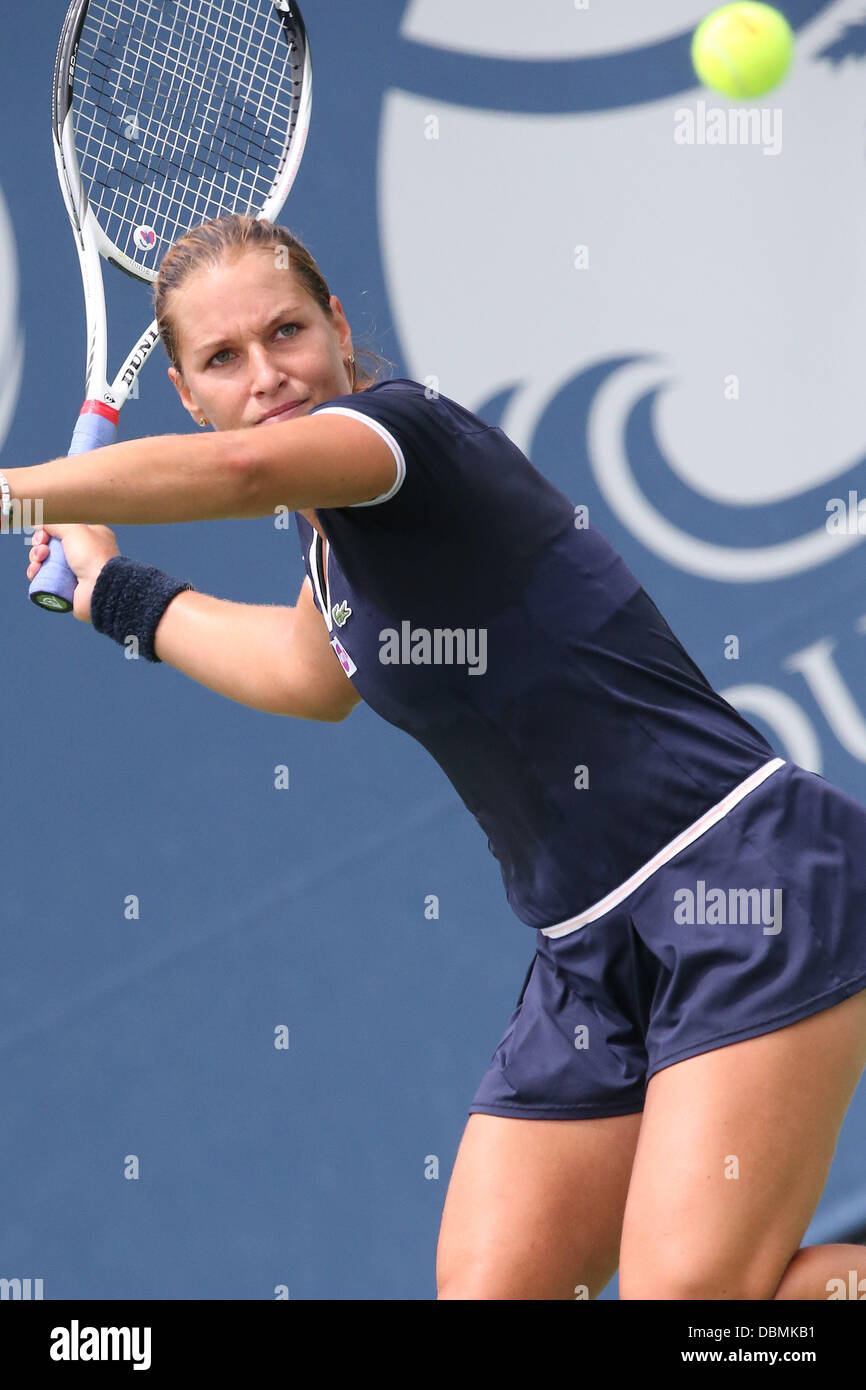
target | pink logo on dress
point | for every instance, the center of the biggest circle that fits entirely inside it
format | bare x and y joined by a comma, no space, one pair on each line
346,661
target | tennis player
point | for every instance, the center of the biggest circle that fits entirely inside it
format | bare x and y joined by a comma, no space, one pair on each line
668,1093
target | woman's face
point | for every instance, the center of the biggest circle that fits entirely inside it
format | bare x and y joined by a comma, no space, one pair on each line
251,341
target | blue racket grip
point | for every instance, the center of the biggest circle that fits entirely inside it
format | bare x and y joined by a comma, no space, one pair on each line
52,588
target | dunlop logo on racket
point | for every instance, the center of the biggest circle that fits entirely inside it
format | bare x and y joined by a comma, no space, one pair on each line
140,356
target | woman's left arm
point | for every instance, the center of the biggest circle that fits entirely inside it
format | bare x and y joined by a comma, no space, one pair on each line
311,461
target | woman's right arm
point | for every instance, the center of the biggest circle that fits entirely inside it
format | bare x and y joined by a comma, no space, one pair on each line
275,659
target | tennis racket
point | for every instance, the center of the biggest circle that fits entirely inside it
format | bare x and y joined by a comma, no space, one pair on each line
165,113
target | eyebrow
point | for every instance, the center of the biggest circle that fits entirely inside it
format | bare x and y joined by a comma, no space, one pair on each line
207,349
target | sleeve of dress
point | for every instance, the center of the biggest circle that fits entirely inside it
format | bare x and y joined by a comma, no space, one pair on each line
423,443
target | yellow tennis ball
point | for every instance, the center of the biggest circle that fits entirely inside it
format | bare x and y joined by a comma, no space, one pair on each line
743,50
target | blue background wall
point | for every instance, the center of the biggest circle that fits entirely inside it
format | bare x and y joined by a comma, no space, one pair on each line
305,907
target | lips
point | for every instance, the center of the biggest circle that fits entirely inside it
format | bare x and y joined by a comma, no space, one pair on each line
284,412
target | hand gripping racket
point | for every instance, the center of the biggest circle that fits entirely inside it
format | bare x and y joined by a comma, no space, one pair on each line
166,113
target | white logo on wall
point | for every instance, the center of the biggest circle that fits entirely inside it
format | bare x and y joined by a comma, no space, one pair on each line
718,298
11,336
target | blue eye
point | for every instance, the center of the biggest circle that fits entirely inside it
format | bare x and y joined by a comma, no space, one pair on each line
214,362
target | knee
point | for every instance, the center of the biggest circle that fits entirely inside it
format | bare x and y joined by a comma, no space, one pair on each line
471,1282
697,1279
464,1290
462,1278
487,1281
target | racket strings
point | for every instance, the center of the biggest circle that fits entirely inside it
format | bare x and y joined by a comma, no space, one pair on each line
182,111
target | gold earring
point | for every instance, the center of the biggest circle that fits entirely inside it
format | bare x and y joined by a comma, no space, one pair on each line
351,363
202,420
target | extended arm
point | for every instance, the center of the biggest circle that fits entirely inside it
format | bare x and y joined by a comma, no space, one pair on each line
275,659
315,461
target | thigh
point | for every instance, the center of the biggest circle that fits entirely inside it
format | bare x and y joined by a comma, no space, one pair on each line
733,1154
534,1207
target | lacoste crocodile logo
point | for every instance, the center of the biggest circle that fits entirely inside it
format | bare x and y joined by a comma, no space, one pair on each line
341,612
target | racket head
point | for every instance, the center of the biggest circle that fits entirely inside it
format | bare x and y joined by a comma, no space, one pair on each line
167,115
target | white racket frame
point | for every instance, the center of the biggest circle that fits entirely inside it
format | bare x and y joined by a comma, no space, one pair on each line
93,245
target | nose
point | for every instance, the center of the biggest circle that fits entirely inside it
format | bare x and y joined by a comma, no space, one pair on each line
265,374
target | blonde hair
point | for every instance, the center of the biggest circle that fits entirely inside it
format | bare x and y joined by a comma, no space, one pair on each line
233,234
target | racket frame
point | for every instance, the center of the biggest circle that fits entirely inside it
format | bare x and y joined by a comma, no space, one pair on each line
93,244
53,586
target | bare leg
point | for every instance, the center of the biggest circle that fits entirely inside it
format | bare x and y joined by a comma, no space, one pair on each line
534,1208
733,1155
825,1271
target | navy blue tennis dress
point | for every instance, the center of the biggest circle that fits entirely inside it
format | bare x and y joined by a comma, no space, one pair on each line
688,887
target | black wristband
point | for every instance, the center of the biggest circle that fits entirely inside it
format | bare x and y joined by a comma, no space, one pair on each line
129,599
